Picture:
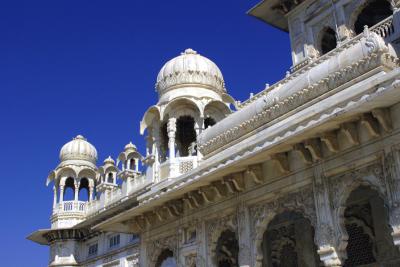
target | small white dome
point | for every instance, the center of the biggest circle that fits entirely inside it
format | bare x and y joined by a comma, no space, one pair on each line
130,146
79,149
109,161
190,69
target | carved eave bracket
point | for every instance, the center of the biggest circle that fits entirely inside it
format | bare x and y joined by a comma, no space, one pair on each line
331,141
370,124
383,117
314,146
282,162
350,131
303,152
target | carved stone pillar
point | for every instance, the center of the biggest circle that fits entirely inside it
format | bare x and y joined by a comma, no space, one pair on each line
149,142
244,234
61,193
201,253
171,129
325,234
91,188
76,191
54,197
392,168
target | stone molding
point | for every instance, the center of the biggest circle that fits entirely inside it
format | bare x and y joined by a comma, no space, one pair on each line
279,108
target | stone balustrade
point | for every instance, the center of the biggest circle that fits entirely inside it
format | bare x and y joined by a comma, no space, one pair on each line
70,206
177,166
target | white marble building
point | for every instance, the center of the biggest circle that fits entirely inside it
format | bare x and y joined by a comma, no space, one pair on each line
304,173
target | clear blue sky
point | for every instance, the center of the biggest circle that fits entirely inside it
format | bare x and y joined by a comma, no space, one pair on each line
89,67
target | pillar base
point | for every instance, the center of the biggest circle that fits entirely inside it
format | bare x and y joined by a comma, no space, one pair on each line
329,256
396,235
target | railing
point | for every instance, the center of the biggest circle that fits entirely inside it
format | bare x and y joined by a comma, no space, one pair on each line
384,28
71,206
177,166
187,164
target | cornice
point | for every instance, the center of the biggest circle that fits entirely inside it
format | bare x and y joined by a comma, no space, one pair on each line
271,112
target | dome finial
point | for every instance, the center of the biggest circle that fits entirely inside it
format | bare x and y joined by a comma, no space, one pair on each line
189,51
79,137
130,146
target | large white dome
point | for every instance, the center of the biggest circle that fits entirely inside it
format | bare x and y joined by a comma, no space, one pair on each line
190,69
79,149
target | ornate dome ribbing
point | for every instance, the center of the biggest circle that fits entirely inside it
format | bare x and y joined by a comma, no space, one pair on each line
78,149
190,69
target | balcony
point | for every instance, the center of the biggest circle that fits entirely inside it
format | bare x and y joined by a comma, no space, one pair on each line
68,213
177,166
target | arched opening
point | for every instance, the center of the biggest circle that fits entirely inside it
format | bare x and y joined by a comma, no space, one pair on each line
164,142
366,222
166,259
208,122
227,250
328,40
110,178
69,189
374,12
289,242
185,136
83,190
132,164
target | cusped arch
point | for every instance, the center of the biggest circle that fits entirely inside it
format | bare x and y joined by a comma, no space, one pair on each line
51,177
152,114
124,156
370,181
263,221
157,252
228,99
359,7
178,105
215,229
164,256
87,173
327,39
216,110
108,169
66,172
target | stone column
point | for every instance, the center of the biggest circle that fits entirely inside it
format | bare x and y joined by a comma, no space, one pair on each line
137,165
156,151
61,193
149,142
171,129
91,193
76,192
392,168
243,218
325,234
201,236
54,197
199,126
156,142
